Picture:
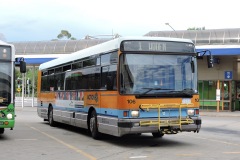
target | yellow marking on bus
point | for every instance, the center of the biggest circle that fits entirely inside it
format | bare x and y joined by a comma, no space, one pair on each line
66,144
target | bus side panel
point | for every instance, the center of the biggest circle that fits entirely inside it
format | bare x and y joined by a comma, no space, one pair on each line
108,115
69,108
44,100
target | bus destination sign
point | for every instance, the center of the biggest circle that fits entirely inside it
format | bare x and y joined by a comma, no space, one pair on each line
157,46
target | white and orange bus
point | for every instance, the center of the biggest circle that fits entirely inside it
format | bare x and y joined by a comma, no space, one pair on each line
128,85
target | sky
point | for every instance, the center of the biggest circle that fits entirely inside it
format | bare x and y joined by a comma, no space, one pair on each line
43,20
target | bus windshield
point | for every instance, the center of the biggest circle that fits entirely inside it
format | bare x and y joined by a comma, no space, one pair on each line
157,74
5,83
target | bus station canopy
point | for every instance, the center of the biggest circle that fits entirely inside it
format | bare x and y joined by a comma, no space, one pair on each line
222,42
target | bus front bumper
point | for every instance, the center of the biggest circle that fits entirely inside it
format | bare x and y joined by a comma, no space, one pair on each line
134,126
7,123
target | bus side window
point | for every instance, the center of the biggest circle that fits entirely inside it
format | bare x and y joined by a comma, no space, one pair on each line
44,84
59,80
108,78
104,73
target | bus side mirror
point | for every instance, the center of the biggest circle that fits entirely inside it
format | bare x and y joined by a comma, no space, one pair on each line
23,67
210,61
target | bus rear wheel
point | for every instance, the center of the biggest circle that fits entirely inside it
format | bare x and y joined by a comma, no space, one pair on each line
50,117
1,130
93,127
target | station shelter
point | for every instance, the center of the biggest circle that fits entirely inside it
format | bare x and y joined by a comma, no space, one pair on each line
219,87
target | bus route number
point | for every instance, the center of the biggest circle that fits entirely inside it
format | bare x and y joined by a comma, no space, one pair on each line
131,101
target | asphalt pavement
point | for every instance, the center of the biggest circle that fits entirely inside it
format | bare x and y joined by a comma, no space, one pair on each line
220,113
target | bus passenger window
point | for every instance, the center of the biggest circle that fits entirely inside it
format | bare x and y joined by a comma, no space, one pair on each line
108,77
59,85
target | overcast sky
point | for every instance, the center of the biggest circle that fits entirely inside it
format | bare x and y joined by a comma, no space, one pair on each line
37,20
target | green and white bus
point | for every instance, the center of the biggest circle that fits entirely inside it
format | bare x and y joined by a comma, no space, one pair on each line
7,85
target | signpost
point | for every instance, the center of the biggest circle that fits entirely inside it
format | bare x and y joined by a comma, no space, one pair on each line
19,90
228,75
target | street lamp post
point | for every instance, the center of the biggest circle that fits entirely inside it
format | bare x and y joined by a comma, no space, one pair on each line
170,26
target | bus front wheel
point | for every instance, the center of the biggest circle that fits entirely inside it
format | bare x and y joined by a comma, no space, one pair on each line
1,130
50,117
93,127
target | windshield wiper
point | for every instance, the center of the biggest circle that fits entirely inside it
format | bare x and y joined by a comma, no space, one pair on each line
183,92
150,89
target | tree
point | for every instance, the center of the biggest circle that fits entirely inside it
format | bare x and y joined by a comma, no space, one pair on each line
65,34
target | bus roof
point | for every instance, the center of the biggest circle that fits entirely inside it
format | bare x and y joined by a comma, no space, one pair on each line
102,48
3,43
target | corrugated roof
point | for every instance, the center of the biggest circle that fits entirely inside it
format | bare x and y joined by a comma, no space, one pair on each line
200,37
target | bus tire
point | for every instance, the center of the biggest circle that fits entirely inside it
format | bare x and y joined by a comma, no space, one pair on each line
51,121
1,130
93,127
157,134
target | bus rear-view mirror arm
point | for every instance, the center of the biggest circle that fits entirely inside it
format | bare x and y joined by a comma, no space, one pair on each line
22,64
209,57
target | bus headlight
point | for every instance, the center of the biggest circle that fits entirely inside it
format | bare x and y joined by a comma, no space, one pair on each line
190,112
134,113
9,116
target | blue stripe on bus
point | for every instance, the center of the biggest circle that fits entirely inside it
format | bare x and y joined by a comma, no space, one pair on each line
119,113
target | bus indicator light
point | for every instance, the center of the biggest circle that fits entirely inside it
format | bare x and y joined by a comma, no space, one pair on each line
125,113
197,111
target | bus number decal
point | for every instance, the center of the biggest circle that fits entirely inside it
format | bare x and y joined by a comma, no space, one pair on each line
93,97
131,101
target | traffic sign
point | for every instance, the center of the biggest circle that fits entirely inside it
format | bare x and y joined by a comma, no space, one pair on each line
228,74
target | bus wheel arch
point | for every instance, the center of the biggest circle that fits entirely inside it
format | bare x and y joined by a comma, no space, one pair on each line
93,124
50,116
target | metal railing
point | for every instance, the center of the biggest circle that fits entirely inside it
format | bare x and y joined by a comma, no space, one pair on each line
166,122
